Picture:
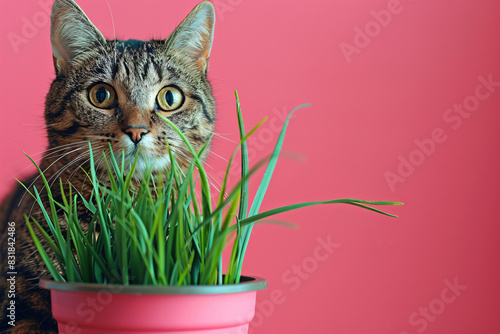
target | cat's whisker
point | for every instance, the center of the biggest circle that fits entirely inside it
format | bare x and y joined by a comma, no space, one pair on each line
61,147
185,157
21,134
61,170
44,171
66,167
56,174
52,180
221,135
65,154
36,125
212,168
87,175
55,149
56,154
218,156
213,182
78,167
181,171
208,165
98,164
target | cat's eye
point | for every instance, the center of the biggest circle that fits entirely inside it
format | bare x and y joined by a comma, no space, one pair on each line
170,98
102,95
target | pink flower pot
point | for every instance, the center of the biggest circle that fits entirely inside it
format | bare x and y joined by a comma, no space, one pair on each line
116,309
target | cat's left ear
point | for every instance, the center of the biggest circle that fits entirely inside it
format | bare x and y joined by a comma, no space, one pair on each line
74,37
194,36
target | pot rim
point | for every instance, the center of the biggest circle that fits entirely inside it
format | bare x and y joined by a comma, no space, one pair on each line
247,284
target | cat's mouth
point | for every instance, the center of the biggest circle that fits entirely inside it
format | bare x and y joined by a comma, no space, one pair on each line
144,159
149,155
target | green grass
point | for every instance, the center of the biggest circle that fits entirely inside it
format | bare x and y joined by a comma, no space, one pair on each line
158,232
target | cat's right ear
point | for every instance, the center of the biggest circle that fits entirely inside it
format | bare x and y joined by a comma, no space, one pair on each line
194,35
74,38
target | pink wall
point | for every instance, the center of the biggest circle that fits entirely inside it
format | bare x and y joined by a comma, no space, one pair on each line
385,124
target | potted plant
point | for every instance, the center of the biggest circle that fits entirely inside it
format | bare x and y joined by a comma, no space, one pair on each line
151,258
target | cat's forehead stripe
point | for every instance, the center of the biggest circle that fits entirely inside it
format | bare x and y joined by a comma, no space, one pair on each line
132,63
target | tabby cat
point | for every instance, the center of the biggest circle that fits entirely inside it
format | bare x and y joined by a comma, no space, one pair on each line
106,91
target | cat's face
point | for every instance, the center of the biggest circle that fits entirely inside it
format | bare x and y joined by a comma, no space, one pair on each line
109,91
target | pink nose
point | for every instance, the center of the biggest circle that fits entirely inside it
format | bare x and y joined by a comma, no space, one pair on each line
136,132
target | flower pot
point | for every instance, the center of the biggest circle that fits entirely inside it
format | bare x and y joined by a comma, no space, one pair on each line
112,309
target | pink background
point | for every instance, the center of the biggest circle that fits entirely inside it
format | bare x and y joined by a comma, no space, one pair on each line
369,110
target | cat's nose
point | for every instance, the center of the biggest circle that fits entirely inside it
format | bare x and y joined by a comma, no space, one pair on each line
136,132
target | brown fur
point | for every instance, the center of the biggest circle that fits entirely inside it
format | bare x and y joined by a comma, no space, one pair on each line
137,71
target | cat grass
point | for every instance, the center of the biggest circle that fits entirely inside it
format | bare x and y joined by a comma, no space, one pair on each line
158,231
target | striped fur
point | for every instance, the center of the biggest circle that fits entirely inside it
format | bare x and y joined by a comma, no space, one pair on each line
137,70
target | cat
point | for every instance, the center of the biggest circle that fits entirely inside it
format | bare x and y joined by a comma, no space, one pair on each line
106,91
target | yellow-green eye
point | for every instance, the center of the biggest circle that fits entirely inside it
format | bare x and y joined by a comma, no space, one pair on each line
170,98
102,95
